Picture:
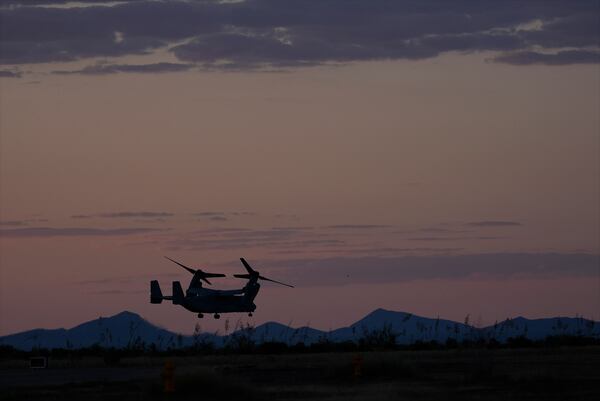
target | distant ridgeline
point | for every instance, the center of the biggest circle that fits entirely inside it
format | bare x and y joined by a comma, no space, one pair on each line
129,330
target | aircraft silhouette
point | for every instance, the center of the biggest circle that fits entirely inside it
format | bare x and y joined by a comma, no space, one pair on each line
205,300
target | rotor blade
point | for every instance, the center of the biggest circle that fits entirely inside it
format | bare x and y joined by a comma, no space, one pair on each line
242,276
247,266
184,266
213,274
275,281
205,280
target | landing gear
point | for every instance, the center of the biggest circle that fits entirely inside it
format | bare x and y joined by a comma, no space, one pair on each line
200,315
250,314
217,316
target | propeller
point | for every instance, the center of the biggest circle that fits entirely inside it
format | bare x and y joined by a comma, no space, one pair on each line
253,274
202,275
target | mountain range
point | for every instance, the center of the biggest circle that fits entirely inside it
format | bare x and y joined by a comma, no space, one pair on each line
128,329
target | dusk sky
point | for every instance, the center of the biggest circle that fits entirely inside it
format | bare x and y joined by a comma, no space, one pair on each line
435,157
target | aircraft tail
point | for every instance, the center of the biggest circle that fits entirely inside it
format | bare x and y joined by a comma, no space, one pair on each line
178,296
156,295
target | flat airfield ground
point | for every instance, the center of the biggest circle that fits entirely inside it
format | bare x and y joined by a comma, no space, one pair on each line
569,373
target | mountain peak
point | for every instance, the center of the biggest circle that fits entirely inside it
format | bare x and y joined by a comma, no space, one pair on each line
380,311
380,316
126,314
385,313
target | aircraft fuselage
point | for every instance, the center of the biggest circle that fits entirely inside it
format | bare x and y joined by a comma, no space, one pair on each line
218,304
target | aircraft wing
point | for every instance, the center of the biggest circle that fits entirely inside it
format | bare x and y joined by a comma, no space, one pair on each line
229,292
205,292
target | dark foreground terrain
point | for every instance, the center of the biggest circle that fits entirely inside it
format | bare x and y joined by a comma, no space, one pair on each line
569,373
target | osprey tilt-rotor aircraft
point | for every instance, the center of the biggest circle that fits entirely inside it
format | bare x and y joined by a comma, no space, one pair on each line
205,300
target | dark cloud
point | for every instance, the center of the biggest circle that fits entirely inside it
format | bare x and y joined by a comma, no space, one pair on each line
376,269
358,226
353,250
318,242
286,216
438,230
125,215
22,222
394,250
484,238
221,216
212,216
255,34
493,223
13,223
57,2
436,238
453,238
236,238
293,228
580,29
36,34
209,214
72,232
218,231
82,216
105,69
12,52
136,214
10,74
560,58
243,213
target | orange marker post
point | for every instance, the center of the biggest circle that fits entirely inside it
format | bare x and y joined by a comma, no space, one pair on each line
168,376
357,362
